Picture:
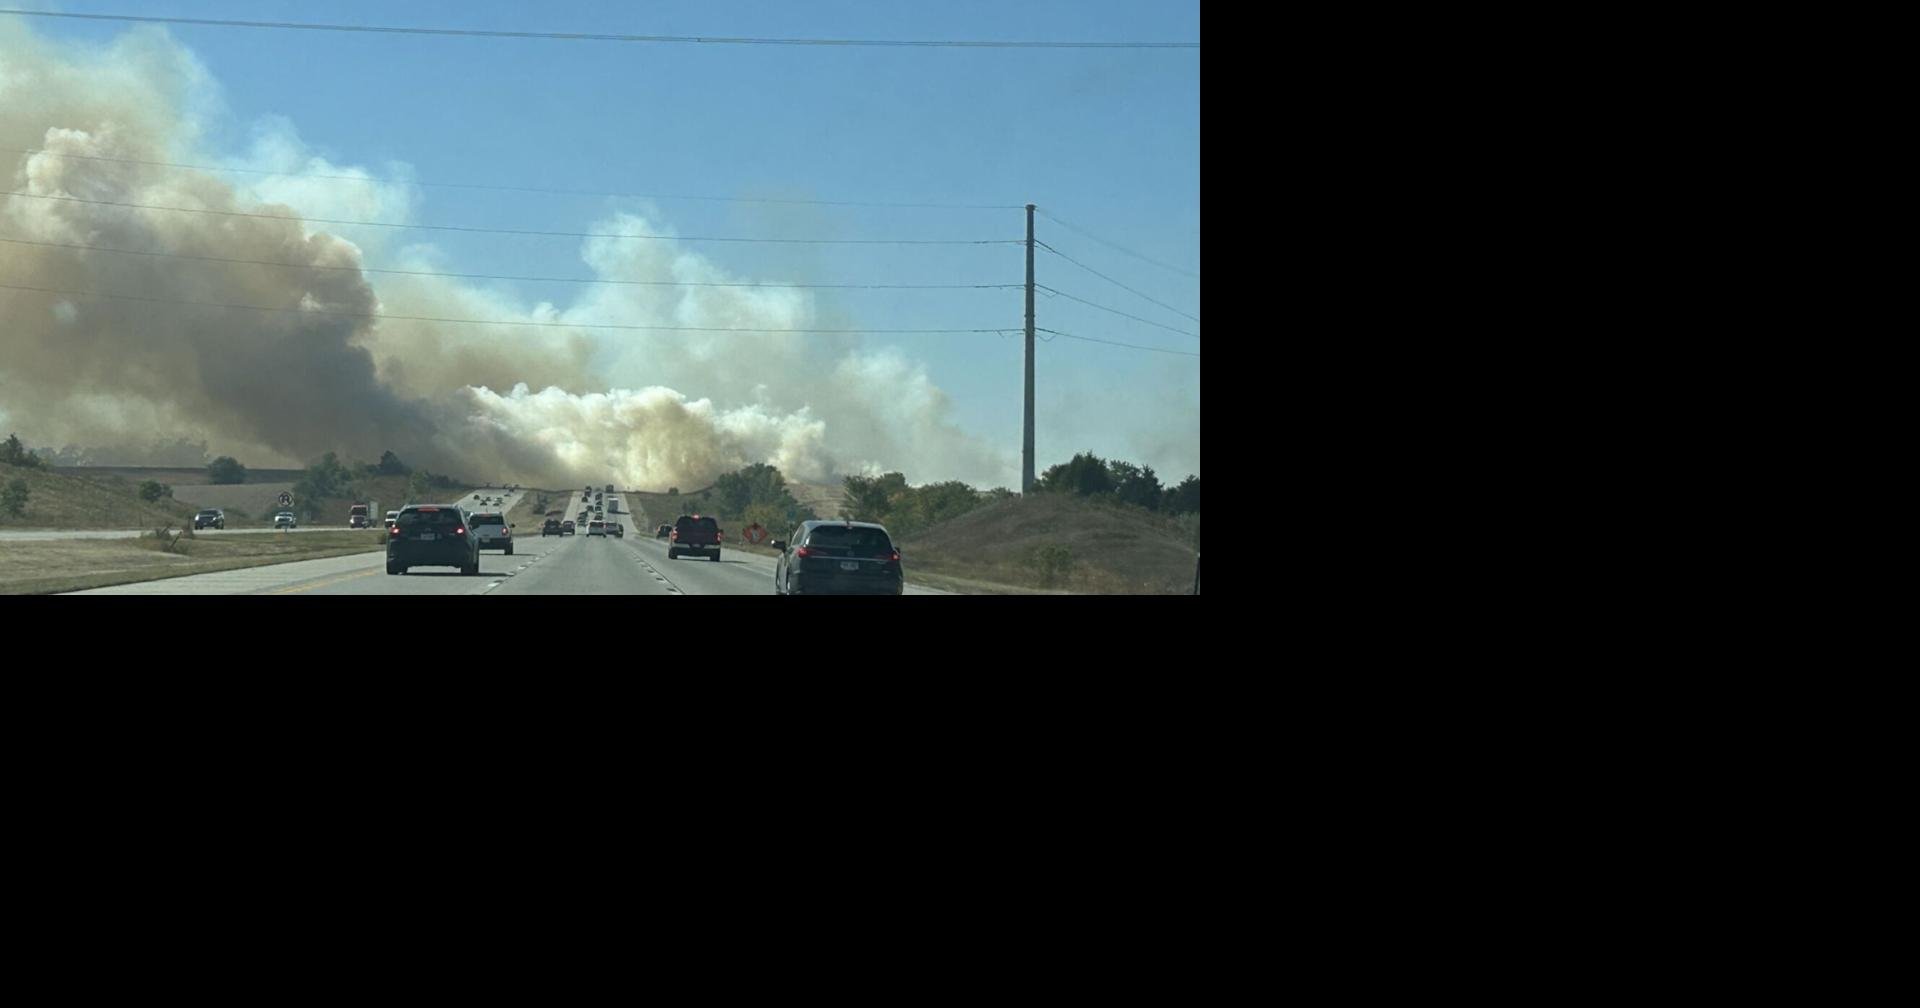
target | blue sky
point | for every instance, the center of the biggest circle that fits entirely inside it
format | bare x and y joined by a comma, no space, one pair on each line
1106,139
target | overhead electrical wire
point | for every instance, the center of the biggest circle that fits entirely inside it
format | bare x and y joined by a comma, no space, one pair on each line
461,321
506,188
1112,281
1104,308
497,276
1115,246
1134,346
605,36
517,231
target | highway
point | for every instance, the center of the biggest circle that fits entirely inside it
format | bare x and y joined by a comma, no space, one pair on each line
540,565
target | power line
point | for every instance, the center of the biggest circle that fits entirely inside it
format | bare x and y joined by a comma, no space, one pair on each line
1102,307
1111,280
459,321
607,37
1111,245
1134,346
514,231
495,276
504,188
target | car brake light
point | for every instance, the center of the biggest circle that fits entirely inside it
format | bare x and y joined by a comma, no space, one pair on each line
895,558
393,530
459,530
803,552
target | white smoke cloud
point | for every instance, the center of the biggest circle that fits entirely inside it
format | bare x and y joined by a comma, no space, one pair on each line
647,408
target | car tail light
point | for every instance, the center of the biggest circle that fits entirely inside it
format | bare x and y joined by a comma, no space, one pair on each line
894,557
803,552
459,530
506,532
674,535
393,530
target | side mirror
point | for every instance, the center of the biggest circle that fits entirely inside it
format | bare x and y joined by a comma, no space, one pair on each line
778,546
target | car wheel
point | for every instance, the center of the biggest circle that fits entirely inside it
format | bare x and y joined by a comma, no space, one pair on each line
393,568
509,551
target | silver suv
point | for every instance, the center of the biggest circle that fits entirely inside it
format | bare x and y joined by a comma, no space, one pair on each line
491,528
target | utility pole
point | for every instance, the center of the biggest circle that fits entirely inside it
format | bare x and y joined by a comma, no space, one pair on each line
1026,436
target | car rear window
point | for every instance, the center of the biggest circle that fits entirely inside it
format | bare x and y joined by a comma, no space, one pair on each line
489,519
447,517
861,541
702,522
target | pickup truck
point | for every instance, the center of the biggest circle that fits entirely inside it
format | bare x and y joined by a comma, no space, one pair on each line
695,534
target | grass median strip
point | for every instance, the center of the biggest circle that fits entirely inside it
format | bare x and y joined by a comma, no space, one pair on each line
41,567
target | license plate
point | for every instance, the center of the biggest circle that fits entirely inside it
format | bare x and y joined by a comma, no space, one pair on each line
849,565
428,536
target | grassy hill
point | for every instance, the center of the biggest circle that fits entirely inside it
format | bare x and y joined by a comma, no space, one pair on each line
99,501
1109,549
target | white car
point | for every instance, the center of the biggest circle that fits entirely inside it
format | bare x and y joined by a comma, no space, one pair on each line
285,519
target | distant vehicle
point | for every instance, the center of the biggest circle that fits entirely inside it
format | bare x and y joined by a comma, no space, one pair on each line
609,488
285,519
432,535
552,527
662,531
357,517
210,518
567,528
491,528
596,527
834,558
695,534
392,516
614,529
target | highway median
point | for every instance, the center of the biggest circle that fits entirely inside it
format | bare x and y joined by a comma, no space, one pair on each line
51,566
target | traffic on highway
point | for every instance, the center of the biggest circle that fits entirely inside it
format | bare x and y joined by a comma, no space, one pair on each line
497,558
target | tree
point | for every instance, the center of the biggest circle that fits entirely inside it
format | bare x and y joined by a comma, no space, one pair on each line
923,507
673,491
326,478
153,490
390,465
13,499
417,488
1086,475
1183,498
226,469
871,498
757,482
1135,484
14,453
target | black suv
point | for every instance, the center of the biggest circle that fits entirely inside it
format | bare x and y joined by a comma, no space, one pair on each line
830,558
694,534
433,535
210,518
552,527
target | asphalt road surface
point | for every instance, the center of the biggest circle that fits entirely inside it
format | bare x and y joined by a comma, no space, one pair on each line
540,565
